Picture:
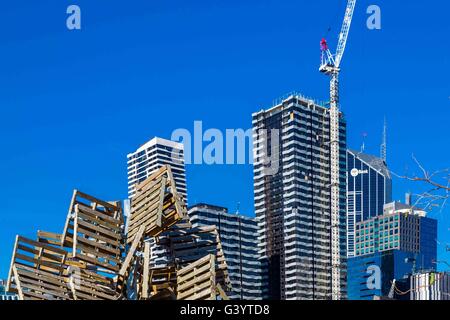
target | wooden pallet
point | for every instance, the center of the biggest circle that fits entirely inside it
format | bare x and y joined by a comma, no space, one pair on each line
187,245
91,285
162,283
94,232
156,205
37,271
197,281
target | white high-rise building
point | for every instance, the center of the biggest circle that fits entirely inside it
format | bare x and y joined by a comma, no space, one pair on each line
153,155
430,286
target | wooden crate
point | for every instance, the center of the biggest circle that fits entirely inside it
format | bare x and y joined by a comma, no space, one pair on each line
156,205
197,281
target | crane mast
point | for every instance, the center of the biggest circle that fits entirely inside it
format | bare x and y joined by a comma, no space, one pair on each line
331,66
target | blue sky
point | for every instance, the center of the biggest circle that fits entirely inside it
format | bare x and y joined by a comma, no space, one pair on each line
74,103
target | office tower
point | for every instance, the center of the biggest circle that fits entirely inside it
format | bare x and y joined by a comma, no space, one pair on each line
238,235
153,155
292,189
430,286
397,243
369,188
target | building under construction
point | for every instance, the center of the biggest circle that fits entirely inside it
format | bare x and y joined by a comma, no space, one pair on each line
292,178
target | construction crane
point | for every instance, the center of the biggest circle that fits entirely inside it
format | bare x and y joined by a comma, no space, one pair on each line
331,67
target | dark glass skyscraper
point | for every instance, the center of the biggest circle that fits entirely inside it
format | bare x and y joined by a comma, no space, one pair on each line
369,188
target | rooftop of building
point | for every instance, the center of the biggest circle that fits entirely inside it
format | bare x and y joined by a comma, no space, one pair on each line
372,161
398,207
218,209
278,104
395,208
202,205
158,141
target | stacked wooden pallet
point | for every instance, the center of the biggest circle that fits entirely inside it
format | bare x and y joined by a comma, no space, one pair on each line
94,237
94,230
37,271
197,281
156,205
187,245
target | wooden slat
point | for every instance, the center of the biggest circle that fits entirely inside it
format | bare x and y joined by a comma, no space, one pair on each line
108,226
197,280
131,253
146,273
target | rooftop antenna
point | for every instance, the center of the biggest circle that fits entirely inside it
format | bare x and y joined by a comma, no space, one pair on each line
363,146
238,207
383,148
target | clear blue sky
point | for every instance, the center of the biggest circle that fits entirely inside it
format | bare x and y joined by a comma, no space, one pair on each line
74,103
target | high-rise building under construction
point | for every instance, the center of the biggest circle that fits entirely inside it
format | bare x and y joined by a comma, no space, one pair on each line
292,189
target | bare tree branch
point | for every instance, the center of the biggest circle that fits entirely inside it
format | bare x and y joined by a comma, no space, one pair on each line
439,180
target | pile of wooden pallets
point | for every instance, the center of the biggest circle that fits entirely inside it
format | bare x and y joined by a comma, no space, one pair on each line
97,257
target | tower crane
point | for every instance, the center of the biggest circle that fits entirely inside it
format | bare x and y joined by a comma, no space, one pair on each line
330,66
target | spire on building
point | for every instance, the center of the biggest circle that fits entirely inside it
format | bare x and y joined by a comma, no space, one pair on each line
363,146
383,149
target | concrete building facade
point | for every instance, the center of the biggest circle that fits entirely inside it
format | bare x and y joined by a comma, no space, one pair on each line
430,286
292,189
238,235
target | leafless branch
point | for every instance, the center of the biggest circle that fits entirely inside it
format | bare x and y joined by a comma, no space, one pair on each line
439,180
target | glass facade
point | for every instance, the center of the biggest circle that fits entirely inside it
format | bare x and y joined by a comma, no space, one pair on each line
369,188
399,244
428,244
391,264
